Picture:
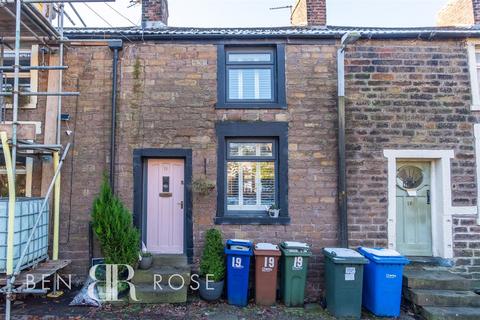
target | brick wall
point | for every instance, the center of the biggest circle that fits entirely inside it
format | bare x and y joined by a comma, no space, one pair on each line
401,94
457,13
476,11
467,246
177,94
167,97
154,13
406,95
89,72
309,12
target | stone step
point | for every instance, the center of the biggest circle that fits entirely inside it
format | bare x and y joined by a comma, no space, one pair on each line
450,313
169,260
443,298
147,294
163,275
435,279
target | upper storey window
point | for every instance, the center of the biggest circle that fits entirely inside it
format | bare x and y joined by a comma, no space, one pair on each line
251,77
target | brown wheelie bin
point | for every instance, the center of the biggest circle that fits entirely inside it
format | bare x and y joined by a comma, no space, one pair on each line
266,266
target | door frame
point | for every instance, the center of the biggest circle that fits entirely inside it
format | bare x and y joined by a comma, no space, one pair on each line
140,157
441,197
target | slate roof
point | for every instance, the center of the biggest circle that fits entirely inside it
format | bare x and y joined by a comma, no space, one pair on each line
137,33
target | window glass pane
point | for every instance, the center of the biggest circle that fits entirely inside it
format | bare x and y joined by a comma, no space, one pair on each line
9,59
250,57
250,84
21,162
250,185
250,149
21,183
24,84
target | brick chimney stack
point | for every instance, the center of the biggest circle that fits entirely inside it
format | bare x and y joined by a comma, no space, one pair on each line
309,13
459,13
154,13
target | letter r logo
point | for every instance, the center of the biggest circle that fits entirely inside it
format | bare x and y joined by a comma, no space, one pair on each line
111,281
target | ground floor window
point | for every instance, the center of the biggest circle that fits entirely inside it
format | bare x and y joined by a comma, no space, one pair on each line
252,172
23,178
251,175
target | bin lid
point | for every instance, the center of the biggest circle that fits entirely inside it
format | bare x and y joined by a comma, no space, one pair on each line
344,255
240,241
294,248
266,246
383,255
239,246
294,245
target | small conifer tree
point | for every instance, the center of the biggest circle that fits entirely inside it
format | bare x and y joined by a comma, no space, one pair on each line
112,224
213,260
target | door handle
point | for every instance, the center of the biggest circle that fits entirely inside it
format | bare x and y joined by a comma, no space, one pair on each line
428,196
181,204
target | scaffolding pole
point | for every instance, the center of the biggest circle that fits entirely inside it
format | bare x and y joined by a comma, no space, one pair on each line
10,153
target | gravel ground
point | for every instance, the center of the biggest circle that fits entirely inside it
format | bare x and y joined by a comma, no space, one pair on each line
195,309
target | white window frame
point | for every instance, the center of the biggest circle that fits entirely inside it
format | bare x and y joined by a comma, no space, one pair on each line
28,172
33,78
258,184
473,67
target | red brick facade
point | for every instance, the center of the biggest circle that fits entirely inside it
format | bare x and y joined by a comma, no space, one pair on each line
408,95
154,12
400,95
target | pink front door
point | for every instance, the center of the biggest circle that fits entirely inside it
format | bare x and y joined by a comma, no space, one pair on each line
165,206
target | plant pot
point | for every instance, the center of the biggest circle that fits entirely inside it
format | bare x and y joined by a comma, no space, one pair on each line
145,263
273,213
214,292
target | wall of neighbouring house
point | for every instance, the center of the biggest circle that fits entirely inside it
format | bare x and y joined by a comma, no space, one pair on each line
401,94
409,95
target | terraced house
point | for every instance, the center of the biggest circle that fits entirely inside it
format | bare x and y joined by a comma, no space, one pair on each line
361,136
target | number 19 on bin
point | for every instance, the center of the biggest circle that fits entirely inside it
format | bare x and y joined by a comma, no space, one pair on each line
237,263
298,263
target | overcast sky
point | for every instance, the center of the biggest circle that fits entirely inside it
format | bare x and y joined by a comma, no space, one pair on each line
250,13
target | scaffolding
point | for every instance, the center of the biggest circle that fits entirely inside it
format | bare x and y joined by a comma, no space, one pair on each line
32,27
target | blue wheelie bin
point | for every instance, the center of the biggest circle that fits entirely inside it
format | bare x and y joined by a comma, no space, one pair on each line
382,281
238,267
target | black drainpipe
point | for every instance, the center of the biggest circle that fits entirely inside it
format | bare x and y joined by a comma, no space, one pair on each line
342,174
347,38
116,46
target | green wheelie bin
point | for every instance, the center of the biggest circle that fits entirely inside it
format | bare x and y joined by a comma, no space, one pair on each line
294,262
344,279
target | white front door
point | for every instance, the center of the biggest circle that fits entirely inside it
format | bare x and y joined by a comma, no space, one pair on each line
414,217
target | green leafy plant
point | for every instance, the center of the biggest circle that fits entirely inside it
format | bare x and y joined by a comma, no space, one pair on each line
112,224
213,260
203,186
274,207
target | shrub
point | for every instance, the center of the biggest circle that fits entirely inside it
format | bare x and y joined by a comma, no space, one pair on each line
213,261
112,224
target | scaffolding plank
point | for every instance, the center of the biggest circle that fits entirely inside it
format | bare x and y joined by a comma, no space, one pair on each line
43,269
